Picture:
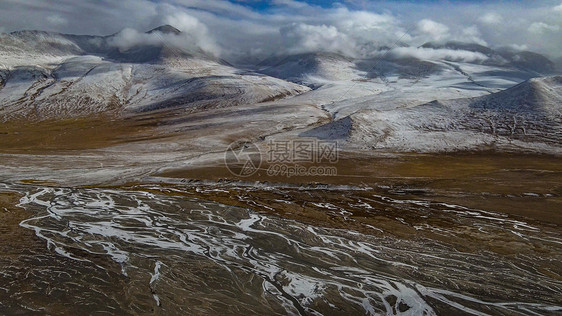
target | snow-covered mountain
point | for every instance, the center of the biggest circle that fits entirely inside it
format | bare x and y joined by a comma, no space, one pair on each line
527,116
305,68
436,97
523,60
478,64
50,75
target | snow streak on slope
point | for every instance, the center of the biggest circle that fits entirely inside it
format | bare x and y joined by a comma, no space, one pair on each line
527,116
362,95
48,75
85,85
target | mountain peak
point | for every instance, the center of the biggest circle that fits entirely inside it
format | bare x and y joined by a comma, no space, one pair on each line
166,29
539,94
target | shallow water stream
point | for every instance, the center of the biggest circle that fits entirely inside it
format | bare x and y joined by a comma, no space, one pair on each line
135,252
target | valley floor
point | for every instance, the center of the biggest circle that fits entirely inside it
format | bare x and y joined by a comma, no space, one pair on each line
433,234
462,233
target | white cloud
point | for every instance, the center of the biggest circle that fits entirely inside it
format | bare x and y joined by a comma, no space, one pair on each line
471,34
239,33
436,30
56,20
128,38
518,47
302,38
192,27
290,3
438,54
368,26
193,35
541,27
491,18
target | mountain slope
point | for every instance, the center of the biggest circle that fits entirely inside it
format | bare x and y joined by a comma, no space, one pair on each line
305,68
49,75
528,115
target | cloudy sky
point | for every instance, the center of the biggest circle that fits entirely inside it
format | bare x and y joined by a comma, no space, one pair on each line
254,29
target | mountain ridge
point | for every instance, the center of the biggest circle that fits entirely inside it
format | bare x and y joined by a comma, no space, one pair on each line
408,62
387,101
